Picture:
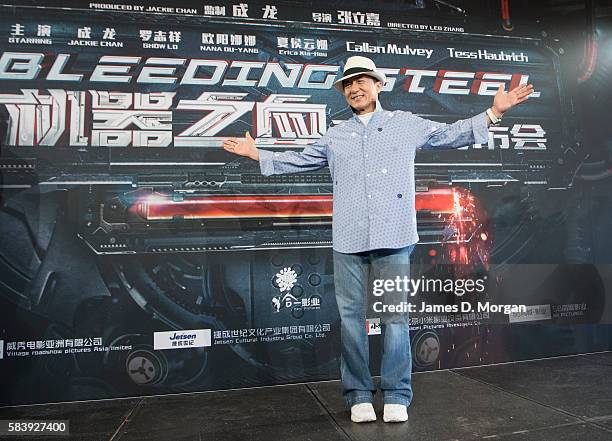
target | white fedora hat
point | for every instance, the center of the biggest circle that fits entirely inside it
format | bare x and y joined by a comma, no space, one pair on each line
358,65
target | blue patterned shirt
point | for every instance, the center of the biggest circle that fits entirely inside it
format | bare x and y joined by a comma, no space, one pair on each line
372,169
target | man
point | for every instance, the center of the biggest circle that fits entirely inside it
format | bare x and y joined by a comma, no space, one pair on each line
371,161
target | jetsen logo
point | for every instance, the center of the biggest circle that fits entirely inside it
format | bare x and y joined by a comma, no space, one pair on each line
389,48
193,338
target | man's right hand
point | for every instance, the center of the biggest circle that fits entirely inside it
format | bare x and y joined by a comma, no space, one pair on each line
243,147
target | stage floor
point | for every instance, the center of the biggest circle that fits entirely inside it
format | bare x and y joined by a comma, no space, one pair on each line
561,399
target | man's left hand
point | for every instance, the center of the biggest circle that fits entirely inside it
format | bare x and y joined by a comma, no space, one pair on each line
505,100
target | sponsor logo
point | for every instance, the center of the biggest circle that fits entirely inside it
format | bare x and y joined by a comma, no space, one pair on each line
285,279
531,313
193,338
373,326
290,301
290,296
389,48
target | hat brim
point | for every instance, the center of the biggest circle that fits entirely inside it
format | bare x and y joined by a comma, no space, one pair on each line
376,75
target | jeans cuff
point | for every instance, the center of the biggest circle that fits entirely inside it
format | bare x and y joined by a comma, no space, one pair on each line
357,398
395,399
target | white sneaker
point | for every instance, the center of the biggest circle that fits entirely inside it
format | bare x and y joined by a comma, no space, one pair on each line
395,413
363,413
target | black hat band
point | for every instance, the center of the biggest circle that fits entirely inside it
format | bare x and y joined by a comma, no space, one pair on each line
354,70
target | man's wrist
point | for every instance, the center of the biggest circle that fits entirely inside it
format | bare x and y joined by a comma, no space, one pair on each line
492,116
496,112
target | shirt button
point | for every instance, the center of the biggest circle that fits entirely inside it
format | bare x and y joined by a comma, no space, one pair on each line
367,156
276,154
399,195
365,136
368,175
369,196
384,170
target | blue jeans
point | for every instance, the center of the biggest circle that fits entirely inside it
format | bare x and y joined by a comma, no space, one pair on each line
352,273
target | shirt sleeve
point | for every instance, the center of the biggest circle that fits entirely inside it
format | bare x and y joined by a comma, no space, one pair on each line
461,133
312,157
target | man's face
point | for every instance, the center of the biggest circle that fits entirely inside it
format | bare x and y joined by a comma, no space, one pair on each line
361,92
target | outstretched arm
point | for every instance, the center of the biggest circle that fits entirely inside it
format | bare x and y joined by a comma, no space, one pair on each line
504,101
312,157
475,129
243,147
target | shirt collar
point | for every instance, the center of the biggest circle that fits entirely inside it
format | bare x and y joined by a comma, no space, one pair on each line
378,109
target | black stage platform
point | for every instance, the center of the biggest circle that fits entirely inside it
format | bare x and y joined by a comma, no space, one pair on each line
561,399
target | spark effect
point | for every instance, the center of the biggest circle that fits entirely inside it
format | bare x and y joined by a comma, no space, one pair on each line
469,245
